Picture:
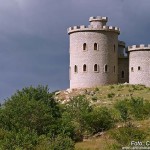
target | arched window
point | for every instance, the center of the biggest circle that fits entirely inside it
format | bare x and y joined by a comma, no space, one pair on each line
122,74
95,46
114,69
132,69
105,68
84,68
96,68
75,69
84,46
139,68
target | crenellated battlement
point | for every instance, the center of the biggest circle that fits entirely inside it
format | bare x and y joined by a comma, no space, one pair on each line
139,47
92,28
98,18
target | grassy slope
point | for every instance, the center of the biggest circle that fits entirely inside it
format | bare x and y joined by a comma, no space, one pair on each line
106,96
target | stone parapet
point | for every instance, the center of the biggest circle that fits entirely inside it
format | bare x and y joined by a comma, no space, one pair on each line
139,47
84,28
98,18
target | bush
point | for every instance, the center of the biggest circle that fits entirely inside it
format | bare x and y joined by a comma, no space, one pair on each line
127,134
123,108
60,142
23,139
99,119
111,95
94,99
134,108
96,89
139,108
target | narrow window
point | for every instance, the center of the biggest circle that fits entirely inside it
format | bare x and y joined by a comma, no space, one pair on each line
96,68
106,68
75,69
84,46
132,69
114,48
114,69
122,74
84,67
139,68
95,46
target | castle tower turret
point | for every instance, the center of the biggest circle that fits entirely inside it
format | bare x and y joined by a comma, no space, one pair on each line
93,54
139,64
98,21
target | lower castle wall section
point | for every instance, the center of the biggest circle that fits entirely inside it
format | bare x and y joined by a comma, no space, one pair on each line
139,67
123,70
104,55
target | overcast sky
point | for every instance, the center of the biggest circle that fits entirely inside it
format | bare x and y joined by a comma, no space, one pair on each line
34,42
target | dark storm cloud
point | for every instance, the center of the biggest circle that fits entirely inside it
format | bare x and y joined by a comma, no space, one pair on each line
34,42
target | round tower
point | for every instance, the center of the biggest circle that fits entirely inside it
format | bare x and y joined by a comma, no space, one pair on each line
93,54
139,64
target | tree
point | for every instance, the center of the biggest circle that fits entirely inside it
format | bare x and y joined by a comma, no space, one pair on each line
77,109
27,115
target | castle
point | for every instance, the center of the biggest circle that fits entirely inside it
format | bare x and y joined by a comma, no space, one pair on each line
97,57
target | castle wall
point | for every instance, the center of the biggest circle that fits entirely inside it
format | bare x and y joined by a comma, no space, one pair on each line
139,64
123,70
106,54
123,63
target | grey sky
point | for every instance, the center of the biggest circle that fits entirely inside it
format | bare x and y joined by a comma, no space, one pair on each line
34,41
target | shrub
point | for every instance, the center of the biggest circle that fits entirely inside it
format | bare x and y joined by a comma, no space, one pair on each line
111,95
96,89
123,108
126,134
60,142
139,108
99,119
94,98
112,86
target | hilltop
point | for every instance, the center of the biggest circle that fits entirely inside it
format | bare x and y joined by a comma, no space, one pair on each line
105,95
109,96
